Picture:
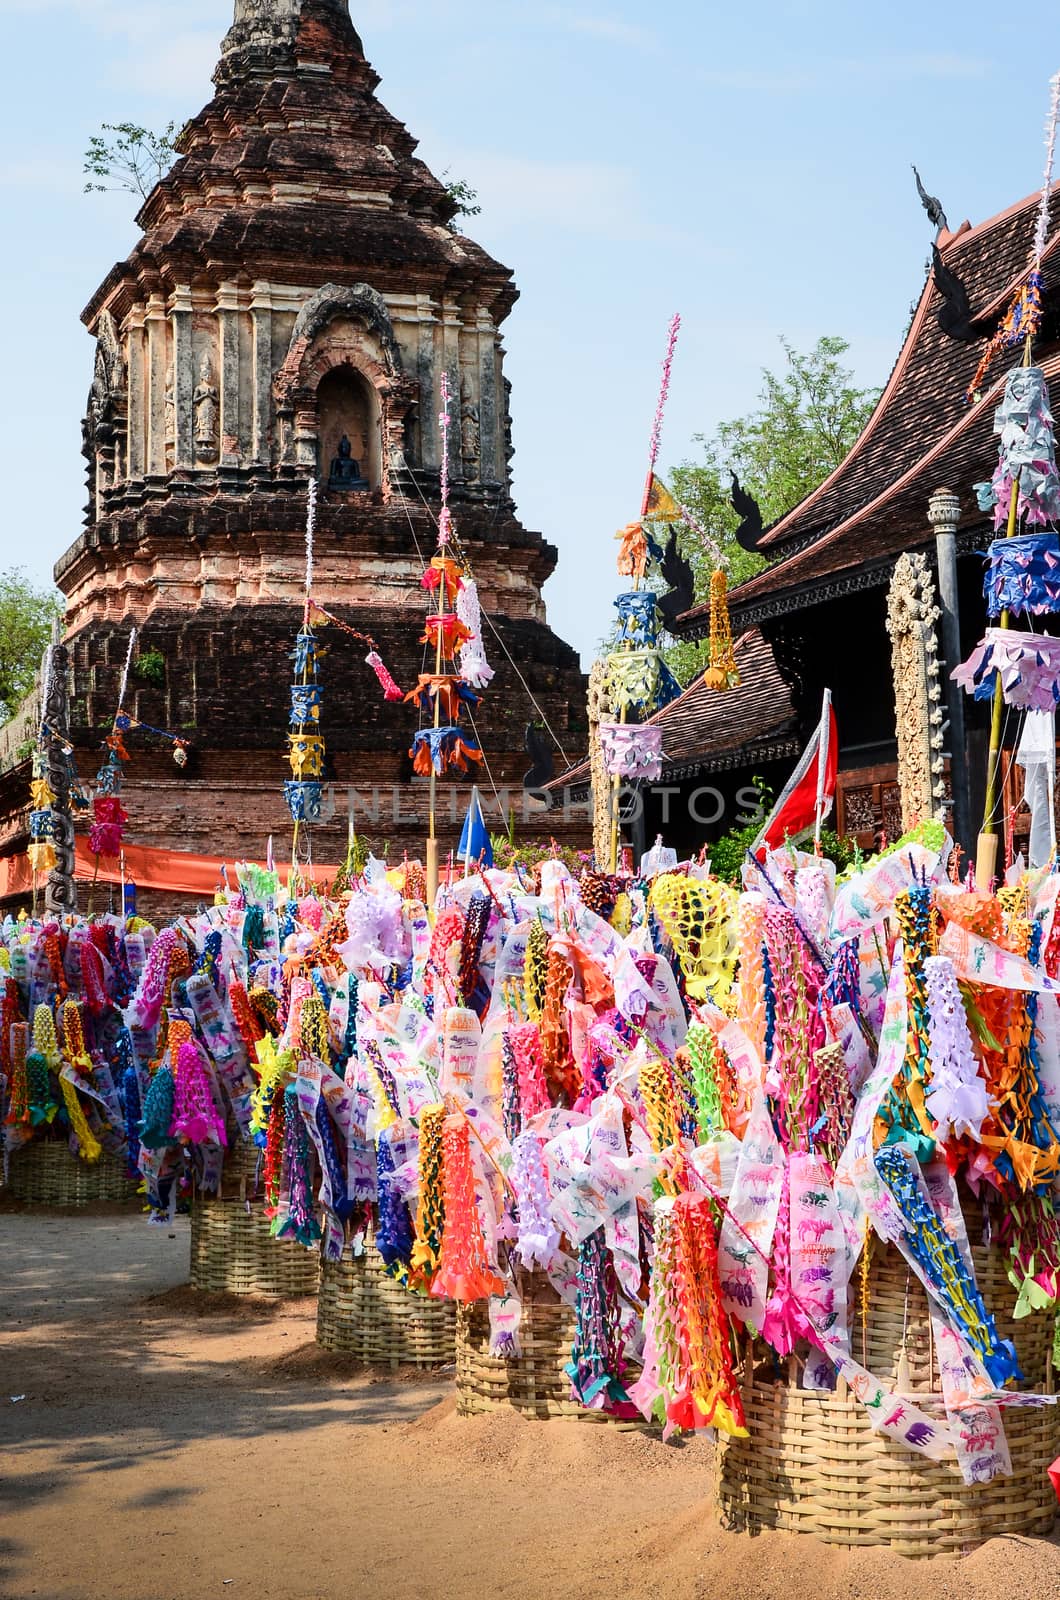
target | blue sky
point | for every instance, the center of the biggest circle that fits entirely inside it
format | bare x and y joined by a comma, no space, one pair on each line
746,165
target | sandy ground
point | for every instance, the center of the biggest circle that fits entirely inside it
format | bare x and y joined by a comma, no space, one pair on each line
170,1449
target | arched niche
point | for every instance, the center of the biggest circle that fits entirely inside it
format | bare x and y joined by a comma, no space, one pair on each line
340,329
348,404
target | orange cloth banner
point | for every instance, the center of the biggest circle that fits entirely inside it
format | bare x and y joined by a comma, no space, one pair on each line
149,868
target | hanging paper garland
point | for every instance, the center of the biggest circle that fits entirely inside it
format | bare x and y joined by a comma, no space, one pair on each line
158,1111
441,750
1023,575
463,1269
430,1217
638,619
340,1202
474,668
632,551
525,1040
942,1263
300,1222
18,1107
196,1119
1027,456
394,1238
595,1368
957,1099
105,834
632,750
538,1238
639,681
688,1372
903,1117
304,792
43,1106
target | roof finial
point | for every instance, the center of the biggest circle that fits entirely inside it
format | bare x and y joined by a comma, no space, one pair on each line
932,206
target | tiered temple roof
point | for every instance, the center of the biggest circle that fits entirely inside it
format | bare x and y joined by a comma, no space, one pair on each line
922,434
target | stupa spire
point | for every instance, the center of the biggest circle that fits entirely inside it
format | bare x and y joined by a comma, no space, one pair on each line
272,36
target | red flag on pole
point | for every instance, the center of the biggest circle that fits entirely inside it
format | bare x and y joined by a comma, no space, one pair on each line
808,794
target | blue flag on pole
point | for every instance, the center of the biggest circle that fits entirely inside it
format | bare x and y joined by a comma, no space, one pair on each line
475,840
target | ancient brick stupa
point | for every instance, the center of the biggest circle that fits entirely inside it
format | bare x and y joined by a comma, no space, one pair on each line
297,294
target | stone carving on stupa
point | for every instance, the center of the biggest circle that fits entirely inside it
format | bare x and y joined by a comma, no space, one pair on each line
295,296
206,413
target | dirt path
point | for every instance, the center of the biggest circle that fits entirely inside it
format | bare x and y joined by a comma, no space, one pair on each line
167,1450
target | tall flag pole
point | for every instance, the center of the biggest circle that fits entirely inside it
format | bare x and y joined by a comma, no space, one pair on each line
637,679
304,790
459,660
1025,484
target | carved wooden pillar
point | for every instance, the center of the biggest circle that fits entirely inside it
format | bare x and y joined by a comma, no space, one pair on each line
137,396
911,618
183,379
261,406
944,510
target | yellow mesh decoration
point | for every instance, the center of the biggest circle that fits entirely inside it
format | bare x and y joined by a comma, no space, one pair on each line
313,1029
44,1040
699,919
657,1092
274,1066
722,672
622,916
88,1146
751,1006
536,970
74,1038
430,1217
42,856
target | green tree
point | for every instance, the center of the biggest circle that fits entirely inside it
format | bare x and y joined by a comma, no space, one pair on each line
808,416
463,197
124,156
26,618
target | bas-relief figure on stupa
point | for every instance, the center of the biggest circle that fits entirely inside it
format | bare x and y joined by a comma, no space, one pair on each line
204,401
470,433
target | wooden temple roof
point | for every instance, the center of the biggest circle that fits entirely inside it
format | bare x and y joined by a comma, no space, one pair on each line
922,435
704,731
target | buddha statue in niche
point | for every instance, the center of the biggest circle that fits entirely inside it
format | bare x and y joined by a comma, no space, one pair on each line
345,473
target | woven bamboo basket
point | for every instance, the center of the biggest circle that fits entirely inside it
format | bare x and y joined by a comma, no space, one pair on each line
812,1464
47,1173
234,1252
365,1314
242,1171
535,1384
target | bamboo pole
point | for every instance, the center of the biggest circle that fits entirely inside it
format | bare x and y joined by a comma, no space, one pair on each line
653,457
443,546
987,843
